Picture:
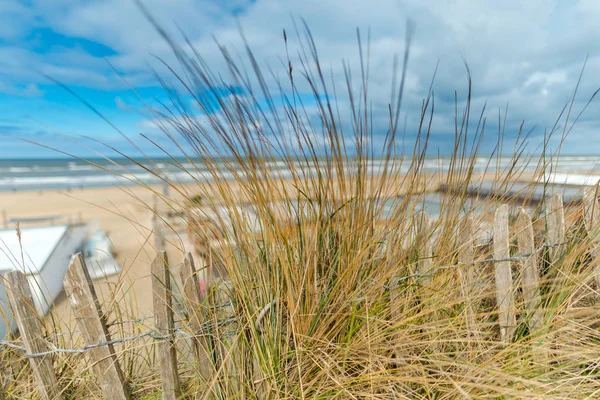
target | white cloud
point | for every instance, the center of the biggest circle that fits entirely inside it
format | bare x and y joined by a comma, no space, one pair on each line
528,54
15,16
546,78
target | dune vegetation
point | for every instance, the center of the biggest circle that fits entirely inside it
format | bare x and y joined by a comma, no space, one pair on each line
337,285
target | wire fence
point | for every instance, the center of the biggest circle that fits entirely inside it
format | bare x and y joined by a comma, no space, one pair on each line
205,322
492,259
207,327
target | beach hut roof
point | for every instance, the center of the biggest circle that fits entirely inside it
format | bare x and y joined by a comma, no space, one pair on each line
31,252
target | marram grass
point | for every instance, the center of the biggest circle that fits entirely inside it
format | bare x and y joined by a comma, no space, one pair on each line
316,307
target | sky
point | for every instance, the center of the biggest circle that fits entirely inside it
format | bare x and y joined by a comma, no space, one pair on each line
523,56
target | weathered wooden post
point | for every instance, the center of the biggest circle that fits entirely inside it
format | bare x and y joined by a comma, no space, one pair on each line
529,271
30,328
425,243
504,291
466,271
165,326
555,228
425,269
591,218
193,301
92,323
405,240
555,241
159,240
530,283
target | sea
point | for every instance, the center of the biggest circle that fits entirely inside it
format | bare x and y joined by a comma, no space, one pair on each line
67,174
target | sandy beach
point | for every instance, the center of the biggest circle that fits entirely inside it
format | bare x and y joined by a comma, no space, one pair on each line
124,213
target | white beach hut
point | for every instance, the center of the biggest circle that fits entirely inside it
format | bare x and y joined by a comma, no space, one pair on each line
43,255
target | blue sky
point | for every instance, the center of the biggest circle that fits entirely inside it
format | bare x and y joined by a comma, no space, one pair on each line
528,56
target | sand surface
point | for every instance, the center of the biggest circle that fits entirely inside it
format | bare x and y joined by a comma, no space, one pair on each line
126,214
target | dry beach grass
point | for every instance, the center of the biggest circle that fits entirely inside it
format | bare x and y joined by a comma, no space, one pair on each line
317,305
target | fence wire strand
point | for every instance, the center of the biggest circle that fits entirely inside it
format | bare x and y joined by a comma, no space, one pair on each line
492,259
153,334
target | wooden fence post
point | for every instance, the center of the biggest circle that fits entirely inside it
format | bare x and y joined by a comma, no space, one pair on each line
555,227
425,270
466,249
425,263
530,273
530,281
92,323
591,218
159,240
503,274
30,328
408,234
165,326
466,271
193,301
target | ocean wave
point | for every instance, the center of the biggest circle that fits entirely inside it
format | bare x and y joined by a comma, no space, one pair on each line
55,180
65,181
76,167
19,169
62,175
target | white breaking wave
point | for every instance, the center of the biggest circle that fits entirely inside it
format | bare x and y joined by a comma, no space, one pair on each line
571,179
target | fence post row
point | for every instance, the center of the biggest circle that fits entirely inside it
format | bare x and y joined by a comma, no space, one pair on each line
92,323
27,318
165,326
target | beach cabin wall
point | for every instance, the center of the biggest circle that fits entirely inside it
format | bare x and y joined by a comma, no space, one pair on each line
47,282
44,260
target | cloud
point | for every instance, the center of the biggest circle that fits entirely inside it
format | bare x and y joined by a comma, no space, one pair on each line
525,54
30,90
15,16
121,104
